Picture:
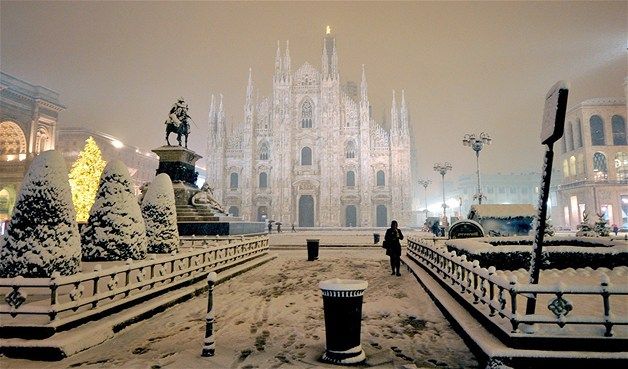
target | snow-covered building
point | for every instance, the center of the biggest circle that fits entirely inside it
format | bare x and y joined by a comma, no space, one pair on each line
311,154
593,159
28,120
142,164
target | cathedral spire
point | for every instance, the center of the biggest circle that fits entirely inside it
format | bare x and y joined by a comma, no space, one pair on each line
394,117
325,60
249,88
286,60
334,61
278,70
404,114
364,86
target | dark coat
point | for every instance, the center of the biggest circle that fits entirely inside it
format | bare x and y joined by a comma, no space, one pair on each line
392,241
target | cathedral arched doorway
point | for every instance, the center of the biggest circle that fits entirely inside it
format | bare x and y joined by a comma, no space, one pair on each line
262,213
306,211
351,216
381,216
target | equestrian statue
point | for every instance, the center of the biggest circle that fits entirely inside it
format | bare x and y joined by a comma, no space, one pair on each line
178,122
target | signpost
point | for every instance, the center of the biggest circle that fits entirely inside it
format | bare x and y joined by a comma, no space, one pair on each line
551,131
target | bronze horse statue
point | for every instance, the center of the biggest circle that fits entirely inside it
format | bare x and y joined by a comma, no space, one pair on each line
178,122
182,129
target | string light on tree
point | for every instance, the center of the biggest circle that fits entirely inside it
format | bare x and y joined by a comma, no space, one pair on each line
85,177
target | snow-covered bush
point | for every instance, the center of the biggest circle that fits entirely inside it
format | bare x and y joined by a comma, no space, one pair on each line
115,229
43,235
160,216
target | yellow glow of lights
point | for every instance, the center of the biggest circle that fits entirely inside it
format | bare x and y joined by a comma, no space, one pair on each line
328,29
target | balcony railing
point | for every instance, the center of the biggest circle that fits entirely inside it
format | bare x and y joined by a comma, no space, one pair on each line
60,300
502,301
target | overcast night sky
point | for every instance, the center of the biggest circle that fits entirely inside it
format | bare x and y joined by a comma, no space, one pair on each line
465,67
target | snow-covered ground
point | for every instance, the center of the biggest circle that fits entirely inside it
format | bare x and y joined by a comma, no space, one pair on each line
272,317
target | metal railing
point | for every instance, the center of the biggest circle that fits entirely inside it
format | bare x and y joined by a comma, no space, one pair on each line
503,300
62,299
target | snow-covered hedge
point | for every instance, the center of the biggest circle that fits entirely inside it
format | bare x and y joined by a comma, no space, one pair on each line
160,216
43,236
516,255
115,229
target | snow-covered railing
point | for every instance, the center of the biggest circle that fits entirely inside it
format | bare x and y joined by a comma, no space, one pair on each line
502,301
61,300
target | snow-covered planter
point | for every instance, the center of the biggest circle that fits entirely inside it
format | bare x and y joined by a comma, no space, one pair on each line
160,217
115,229
42,236
557,253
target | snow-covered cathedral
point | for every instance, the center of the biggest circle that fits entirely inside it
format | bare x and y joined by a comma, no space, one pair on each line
311,154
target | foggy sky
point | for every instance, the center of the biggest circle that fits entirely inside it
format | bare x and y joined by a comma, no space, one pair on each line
465,67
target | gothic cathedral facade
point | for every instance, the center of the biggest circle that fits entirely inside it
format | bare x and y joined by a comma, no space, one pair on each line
311,155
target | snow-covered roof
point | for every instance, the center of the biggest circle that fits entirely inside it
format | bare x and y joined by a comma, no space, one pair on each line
501,211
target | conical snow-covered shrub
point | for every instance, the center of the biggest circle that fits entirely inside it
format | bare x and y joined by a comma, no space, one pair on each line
160,216
43,235
115,229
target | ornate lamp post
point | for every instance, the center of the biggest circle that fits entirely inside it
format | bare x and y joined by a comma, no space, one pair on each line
425,183
477,143
442,169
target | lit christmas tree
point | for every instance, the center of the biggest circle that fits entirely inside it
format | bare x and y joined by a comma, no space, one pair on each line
601,226
84,178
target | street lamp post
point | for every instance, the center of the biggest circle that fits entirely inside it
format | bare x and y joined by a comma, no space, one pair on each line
425,183
477,143
442,169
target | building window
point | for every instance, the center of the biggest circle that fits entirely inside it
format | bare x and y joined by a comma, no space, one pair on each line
234,211
264,151
563,147
621,166
569,136
306,156
350,151
565,168
350,178
578,134
597,130
381,178
263,180
619,130
572,165
580,165
600,167
233,181
306,114
42,140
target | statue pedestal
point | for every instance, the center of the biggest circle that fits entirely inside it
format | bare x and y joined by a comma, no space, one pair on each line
179,163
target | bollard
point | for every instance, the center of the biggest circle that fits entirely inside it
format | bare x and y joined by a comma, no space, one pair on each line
342,304
209,347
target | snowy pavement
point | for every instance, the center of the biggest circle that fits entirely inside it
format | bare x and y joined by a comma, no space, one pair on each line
272,317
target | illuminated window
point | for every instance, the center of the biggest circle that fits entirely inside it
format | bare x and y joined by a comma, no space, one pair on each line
621,166
565,168
600,167
572,165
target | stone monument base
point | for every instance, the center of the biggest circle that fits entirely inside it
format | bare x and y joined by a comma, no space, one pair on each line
220,228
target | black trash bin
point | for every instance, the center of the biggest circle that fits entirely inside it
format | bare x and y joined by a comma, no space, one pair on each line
312,250
375,238
342,303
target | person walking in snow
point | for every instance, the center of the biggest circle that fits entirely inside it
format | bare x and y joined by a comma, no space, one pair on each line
393,246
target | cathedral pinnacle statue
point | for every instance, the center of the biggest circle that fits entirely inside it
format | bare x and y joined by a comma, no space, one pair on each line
177,122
